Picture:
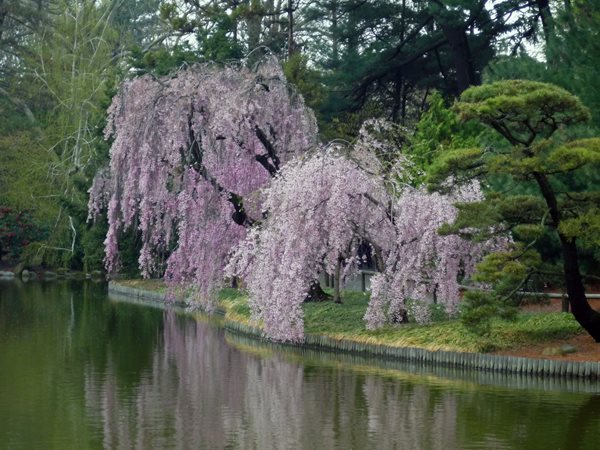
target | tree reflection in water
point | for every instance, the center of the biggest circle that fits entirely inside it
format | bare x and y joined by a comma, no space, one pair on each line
78,370
201,392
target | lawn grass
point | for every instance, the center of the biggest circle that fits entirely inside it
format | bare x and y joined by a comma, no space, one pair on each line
345,321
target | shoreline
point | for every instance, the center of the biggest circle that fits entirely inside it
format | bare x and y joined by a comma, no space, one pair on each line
451,359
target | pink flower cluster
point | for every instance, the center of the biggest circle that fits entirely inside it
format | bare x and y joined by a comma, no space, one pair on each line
320,209
189,152
423,267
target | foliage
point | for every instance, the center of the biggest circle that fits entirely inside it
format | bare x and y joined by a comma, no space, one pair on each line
352,60
347,41
93,251
574,50
522,111
194,149
345,321
346,125
570,56
393,54
17,231
68,63
308,81
23,170
226,30
439,129
161,61
18,23
411,47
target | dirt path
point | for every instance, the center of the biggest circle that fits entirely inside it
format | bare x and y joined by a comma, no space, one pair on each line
587,348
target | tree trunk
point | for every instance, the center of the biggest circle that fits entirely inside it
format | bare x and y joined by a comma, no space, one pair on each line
336,283
587,317
463,63
549,30
317,294
253,23
290,12
234,6
547,19
335,45
3,14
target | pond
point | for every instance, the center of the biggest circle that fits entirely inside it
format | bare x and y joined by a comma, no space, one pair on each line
80,369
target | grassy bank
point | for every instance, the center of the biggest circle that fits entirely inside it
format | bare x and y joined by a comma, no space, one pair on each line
345,322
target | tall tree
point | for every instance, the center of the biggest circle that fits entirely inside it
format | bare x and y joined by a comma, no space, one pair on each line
408,48
75,65
19,23
227,30
443,44
422,267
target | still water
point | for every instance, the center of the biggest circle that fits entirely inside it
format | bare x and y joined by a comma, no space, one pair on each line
79,369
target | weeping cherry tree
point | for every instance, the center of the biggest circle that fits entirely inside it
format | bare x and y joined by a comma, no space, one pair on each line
320,209
422,266
188,157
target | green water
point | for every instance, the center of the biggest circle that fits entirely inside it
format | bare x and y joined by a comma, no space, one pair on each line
81,370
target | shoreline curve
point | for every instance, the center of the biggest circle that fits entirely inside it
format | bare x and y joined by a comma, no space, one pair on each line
589,370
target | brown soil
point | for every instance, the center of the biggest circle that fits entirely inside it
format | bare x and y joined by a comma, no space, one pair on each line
554,304
587,348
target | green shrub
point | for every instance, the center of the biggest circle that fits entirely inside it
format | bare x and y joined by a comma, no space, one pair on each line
17,231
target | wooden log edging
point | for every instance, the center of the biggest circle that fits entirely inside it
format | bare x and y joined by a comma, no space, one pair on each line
462,360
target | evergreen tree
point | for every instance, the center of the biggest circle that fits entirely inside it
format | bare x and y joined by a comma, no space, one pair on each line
529,116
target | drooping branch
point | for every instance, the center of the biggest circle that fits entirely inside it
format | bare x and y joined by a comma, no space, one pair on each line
190,182
317,219
239,215
422,264
270,161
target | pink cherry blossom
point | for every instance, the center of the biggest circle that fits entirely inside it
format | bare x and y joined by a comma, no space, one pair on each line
320,209
219,170
424,267
189,155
